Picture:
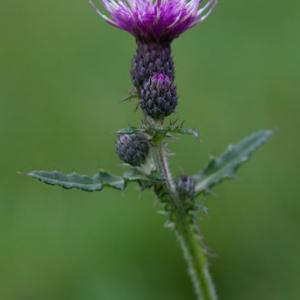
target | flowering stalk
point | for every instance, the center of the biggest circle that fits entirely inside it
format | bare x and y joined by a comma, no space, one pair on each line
187,233
155,24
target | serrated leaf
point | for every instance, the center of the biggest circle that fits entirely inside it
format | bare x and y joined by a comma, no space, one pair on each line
178,129
111,180
226,165
172,129
160,131
93,183
78,181
129,130
144,181
156,176
133,175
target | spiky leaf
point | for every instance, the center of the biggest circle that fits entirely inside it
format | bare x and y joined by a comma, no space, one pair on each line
134,175
226,165
175,128
144,181
130,130
78,181
91,183
132,95
161,131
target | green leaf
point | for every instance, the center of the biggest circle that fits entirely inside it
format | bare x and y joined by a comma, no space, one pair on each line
179,129
173,128
225,166
81,182
94,183
129,130
132,95
134,175
144,181
152,130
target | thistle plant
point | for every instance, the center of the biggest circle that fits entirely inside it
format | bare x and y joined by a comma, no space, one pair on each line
144,148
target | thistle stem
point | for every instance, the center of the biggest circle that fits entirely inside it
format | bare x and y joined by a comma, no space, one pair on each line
164,166
196,259
186,232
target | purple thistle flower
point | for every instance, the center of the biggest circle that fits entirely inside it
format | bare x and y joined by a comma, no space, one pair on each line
156,20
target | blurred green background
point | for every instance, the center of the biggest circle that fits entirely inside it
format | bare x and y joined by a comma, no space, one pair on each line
62,75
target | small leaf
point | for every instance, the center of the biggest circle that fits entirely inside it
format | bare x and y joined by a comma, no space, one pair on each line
172,128
133,175
201,207
144,181
129,130
158,133
111,180
132,95
181,130
81,182
156,177
226,165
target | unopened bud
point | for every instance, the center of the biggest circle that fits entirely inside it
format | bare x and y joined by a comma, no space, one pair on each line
158,96
132,148
185,186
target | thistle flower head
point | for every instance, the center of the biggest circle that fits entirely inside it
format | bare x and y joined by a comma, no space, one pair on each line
158,96
156,20
151,59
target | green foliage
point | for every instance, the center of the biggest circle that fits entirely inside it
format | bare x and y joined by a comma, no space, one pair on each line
81,182
218,169
226,165
175,128
144,181
132,95
160,132
130,130
90,184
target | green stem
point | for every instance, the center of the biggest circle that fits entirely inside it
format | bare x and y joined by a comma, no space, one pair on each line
193,251
196,259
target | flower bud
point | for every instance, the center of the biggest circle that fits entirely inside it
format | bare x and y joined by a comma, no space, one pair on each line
158,96
150,59
185,186
132,148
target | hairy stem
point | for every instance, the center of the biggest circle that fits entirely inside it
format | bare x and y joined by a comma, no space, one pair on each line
164,165
196,259
188,237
